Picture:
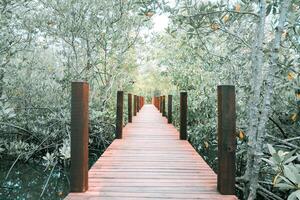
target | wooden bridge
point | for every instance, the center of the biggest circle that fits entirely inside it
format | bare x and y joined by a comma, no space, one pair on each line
148,161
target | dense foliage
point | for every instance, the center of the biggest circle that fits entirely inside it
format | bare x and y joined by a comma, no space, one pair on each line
44,45
254,45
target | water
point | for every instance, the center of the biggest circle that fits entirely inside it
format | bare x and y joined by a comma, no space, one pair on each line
26,181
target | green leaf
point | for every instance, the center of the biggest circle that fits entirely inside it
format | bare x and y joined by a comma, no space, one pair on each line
271,149
294,195
290,159
269,8
276,158
284,186
270,162
290,173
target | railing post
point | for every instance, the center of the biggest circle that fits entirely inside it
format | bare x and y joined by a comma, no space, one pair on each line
183,115
161,104
169,109
119,118
134,105
141,102
226,139
164,106
129,108
138,103
79,137
158,103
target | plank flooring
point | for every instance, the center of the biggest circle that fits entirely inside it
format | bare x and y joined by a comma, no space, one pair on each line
150,162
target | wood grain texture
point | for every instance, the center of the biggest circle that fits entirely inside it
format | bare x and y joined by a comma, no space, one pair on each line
79,136
150,162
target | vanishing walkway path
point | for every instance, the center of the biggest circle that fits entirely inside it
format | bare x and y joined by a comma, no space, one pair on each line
150,162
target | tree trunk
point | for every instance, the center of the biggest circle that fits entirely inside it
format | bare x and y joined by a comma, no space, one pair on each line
259,137
256,85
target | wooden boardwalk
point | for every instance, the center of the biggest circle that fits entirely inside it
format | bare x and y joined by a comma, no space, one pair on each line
150,162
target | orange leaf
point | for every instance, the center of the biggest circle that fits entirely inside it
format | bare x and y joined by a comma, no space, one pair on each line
237,7
291,76
226,18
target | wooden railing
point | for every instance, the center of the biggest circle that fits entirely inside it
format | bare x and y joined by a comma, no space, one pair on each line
80,134
225,131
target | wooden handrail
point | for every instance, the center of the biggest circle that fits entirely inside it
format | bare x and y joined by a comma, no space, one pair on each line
80,136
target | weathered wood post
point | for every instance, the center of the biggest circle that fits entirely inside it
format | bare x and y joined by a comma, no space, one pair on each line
79,136
226,139
161,104
129,108
141,99
183,115
158,103
138,103
134,105
164,106
169,109
119,116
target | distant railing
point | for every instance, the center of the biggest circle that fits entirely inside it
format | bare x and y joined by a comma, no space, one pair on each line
226,129
80,134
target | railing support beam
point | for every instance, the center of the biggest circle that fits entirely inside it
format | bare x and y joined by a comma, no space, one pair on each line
164,106
134,105
138,103
129,108
183,115
169,109
119,115
226,139
79,137
161,104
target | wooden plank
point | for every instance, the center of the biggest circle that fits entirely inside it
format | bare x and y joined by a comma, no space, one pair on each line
150,162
